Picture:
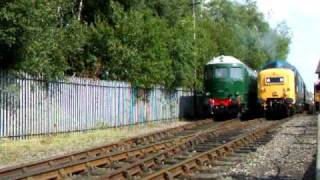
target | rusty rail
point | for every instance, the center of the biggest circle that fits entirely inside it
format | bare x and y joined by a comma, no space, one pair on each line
59,171
97,151
138,167
209,157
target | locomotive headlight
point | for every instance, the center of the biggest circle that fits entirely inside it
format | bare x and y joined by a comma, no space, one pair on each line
268,80
211,102
281,79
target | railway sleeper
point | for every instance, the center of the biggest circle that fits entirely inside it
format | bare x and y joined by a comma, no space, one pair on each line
220,167
173,152
221,152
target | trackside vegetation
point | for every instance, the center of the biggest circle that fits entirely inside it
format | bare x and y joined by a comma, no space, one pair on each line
145,42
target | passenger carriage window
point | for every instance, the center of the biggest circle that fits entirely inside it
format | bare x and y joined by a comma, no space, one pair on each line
236,73
221,73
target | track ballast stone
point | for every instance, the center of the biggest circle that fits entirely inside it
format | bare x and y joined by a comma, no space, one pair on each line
291,154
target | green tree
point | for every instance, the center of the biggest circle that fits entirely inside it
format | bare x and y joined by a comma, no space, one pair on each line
145,42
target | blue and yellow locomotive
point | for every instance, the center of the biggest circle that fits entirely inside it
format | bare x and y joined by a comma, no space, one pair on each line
281,90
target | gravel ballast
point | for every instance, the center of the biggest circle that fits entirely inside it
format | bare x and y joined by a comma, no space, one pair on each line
291,154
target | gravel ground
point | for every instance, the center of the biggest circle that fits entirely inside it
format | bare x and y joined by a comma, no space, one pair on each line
289,155
14,152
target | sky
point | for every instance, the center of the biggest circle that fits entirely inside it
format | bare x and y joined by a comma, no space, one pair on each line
303,19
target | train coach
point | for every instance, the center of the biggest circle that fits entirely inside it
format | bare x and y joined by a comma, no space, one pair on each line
281,90
309,106
230,87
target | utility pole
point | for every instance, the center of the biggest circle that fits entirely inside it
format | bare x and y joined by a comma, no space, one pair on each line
194,55
194,19
194,16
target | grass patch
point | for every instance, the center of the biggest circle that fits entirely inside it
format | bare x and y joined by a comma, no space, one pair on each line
13,152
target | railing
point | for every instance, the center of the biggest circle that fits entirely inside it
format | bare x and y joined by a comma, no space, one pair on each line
32,106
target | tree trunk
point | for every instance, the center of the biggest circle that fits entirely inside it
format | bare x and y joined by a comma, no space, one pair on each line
80,10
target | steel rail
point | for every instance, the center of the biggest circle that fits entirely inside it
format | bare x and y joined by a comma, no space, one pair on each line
209,157
127,172
63,170
97,151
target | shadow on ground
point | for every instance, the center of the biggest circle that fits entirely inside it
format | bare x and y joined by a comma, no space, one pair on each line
310,174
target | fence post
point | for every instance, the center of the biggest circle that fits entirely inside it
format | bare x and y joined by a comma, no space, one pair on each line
48,107
87,91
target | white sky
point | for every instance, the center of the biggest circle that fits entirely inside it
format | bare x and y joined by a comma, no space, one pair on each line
303,18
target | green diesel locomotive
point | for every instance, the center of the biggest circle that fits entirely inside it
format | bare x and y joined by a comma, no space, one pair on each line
230,87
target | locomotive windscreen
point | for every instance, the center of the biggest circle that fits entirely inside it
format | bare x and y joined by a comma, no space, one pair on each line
221,73
236,73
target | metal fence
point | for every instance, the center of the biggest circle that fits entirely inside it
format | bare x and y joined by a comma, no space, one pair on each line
32,106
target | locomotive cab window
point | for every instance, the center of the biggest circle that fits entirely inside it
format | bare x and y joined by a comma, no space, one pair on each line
236,73
221,73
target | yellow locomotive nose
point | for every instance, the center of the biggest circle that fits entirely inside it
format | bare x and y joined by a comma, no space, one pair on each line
276,84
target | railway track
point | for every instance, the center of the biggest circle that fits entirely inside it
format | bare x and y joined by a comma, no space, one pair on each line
159,166
110,162
20,171
171,156
220,169
207,157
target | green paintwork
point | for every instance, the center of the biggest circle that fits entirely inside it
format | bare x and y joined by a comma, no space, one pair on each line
223,88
